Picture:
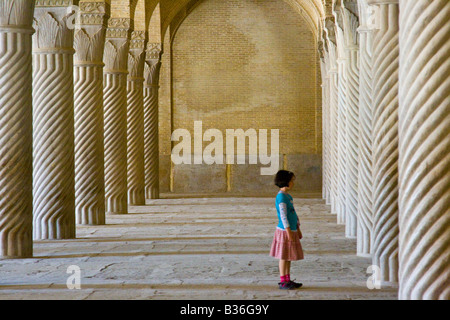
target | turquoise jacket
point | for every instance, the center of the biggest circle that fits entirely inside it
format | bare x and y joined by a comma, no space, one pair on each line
286,212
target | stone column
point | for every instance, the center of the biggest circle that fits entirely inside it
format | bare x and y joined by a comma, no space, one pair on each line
115,114
326,181
365,179
342,106
333,88
350,23
88,90
151,132
424,143
342,144
331,55
135,119
385,143
325,129
53,122
16,180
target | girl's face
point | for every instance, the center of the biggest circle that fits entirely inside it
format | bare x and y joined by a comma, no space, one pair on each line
291,183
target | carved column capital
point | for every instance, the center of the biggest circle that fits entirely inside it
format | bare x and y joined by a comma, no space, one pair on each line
351,23
54,31
152,64
93,13
136,56
117,45
89,38
16,16
55,3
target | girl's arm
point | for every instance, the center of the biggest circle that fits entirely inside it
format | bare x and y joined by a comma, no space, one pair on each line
298,228
283,215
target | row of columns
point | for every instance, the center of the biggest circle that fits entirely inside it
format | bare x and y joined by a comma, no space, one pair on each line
387,136
73,105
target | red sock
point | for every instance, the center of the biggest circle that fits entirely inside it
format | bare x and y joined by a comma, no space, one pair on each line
288,277
283,278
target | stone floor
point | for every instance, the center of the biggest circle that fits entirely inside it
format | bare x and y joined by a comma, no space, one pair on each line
194,248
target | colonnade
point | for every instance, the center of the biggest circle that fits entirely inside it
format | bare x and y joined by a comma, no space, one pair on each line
387,137
72,119
79,127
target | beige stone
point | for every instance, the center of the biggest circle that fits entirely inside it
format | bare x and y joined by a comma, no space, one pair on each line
358,89
16,161
53,124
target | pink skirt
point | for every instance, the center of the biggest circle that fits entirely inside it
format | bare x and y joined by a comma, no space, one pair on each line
284,249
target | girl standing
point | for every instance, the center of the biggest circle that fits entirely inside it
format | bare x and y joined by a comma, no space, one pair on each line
286,242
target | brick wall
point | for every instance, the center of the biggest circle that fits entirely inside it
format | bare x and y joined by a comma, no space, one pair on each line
241,64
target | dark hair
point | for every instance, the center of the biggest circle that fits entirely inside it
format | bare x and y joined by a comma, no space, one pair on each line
283,177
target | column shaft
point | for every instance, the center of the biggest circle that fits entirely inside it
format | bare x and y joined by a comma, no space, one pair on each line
88,91
351,64
135,120
53,126
334,114
115,115
342,145
365,179
385,143
16,181
151,132
424,142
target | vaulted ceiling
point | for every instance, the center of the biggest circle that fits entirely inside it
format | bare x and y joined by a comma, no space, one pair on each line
168,11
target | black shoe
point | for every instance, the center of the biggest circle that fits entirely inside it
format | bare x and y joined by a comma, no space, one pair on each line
286,285
297,284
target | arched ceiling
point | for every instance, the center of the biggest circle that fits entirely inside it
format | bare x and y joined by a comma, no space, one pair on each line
314,11
143,12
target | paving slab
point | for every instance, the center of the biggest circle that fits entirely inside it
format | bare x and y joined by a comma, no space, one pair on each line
194,248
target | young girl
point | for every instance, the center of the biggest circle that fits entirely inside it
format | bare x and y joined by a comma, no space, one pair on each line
286,241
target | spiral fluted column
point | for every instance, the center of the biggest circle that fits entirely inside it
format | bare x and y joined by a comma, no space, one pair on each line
365,179
350,23
325,125
385,142
53,124
16,180
424,142
88,90
342,144
135,119
151,132
115,114
326,181
330,55
334,115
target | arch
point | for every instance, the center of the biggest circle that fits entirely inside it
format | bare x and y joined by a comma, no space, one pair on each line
312,10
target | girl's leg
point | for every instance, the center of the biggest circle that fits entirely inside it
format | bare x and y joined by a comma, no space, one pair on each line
282,267
287,269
